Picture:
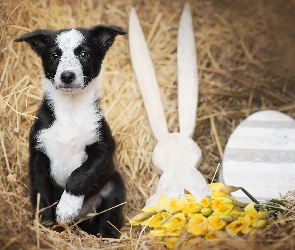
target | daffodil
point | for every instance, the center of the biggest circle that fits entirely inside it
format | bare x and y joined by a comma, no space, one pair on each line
176,222
190,198
237,212
206,201
175,205
239,225
156,219
215,187
251,214
198,225
171,242
215,223
213,235
191,208
151,209
139,218
163,202
222,204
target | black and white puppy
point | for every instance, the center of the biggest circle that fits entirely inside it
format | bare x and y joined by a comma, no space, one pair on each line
71,145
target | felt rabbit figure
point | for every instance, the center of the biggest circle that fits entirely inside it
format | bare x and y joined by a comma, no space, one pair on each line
176,156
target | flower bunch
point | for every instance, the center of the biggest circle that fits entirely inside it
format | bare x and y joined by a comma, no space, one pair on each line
213,217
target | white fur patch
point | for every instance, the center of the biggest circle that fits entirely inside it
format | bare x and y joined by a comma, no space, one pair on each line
68,207
75,127
68,41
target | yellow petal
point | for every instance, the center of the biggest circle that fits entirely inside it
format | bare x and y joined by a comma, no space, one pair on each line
215,223
150,209
192,207
163,202
237,226
206,201
171,242
215,187
176,222
175,205
222,204
197,225
137,219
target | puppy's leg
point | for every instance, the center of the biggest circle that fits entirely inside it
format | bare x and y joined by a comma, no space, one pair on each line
41,183
111,195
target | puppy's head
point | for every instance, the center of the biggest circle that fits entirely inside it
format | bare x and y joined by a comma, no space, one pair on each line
72,58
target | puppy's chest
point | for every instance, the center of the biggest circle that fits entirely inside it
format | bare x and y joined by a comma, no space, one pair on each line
66,140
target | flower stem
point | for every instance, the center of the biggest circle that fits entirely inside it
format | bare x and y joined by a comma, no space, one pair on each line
250,196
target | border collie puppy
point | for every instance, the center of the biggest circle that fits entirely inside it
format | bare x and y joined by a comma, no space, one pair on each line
71,145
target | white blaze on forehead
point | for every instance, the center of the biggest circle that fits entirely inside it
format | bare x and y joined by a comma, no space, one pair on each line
68,41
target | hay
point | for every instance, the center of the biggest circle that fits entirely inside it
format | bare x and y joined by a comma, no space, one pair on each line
246,63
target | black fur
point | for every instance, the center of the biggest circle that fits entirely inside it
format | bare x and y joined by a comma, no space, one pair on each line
98,170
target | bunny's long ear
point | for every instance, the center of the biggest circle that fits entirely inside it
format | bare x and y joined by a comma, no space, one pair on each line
105,35
37,39
146,77
187,74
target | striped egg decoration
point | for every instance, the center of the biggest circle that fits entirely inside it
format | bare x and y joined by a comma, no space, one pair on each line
260,156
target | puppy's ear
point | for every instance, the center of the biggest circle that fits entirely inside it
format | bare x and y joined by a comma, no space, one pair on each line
37,39
105,35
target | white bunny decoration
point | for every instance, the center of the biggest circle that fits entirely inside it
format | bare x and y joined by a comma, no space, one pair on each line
176,156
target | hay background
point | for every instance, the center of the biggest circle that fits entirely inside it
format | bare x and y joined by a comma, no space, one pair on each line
246,63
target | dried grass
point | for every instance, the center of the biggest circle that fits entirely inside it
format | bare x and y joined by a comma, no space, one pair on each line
246,63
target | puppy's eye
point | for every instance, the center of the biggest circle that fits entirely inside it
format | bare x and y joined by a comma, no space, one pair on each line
84,55
54,56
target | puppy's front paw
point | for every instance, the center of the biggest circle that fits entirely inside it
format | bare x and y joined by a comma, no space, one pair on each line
68,207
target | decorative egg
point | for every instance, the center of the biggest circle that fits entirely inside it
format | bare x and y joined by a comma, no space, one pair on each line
260,156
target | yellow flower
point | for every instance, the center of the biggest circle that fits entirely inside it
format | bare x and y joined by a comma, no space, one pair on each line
155,221
175,205
222,204
150,209
176,222
206,201
251,214
239,225
191,208
171,242
190,198
237,212
250,208
163,202
215,223
139,218
212,235
216,189
197,225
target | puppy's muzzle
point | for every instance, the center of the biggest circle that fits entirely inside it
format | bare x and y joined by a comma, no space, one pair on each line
68,77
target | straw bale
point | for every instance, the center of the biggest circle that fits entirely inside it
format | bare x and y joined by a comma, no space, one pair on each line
246,63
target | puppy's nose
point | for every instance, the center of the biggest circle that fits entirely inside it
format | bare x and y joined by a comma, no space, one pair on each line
68,76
